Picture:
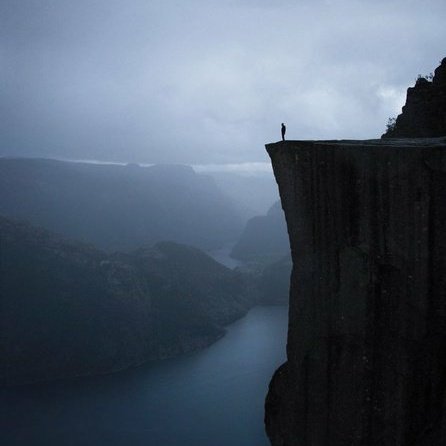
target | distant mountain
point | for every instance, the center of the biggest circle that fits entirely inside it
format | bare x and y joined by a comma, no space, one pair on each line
252,194
68,309
118,207
198,280
264,239
265,251
274,282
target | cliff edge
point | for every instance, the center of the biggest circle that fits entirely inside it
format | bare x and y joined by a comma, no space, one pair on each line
367,321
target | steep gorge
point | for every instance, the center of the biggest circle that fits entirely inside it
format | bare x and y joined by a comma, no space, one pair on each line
69,309
367,321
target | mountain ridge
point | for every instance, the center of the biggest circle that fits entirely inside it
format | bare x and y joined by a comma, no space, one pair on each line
118,207
69,309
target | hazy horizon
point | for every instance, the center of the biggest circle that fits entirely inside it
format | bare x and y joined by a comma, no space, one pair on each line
205,82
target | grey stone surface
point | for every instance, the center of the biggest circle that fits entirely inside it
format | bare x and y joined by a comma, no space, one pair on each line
367,330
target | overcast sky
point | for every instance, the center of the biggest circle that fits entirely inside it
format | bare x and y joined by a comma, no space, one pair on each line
204,81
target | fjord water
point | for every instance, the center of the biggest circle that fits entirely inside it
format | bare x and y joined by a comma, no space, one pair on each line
212,398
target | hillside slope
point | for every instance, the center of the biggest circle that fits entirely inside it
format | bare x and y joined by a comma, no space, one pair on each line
68,309
118,207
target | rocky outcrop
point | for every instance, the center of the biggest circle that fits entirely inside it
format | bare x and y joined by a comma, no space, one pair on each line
424,114
366,351
68,309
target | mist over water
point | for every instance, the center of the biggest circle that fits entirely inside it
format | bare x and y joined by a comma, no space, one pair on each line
211,398
139,290
131,158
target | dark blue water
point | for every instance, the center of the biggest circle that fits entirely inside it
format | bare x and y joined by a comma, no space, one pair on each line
212,398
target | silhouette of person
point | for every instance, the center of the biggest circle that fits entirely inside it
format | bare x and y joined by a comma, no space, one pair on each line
283,130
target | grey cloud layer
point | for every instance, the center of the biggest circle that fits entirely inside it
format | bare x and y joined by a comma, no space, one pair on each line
204,81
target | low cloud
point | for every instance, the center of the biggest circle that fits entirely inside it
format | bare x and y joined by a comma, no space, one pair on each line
202,82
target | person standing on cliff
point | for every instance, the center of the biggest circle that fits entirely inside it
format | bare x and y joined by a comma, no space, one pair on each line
283,130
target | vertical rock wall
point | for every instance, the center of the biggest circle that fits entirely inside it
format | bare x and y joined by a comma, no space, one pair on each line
367,324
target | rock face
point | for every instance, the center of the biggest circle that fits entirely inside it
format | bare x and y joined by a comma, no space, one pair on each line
367,330
424,114
68,309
